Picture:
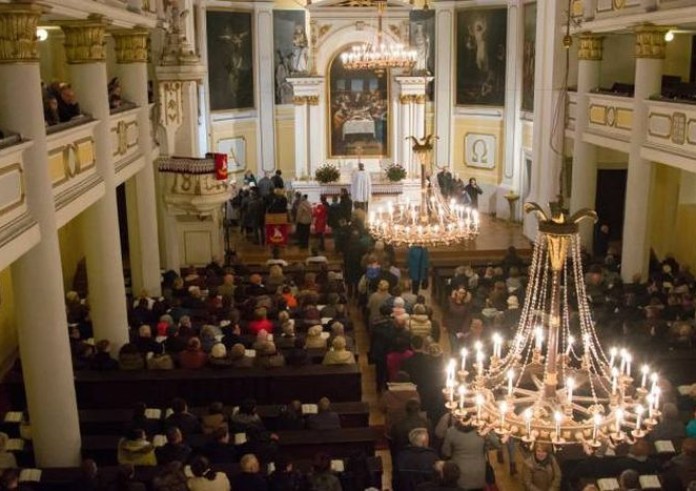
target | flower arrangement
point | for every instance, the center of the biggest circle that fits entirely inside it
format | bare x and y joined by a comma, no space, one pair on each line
396,172
327,173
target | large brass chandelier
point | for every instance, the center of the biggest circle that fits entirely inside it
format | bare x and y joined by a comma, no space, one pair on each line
554,384
434,221
381,54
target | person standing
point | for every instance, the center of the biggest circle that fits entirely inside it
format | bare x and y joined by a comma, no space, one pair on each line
304,222
277,180
541,471
418,265
361,187
265,186
346,205
321,216
473,191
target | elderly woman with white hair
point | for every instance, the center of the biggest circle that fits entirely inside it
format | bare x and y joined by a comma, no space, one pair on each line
338,354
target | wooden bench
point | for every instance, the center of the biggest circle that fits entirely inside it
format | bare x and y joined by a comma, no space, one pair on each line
112,421
62,479
296,444
105,390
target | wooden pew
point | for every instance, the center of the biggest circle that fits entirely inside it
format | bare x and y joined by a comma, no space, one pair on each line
62,479
299,444
104,390
112,421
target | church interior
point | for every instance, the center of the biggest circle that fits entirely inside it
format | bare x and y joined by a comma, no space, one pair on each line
347,244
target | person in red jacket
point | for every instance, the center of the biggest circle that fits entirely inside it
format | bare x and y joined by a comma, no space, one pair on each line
321,216
193,357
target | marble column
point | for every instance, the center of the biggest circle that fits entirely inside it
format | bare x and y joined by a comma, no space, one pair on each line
310,149
265,83
513,101
650,55
549,121
86,56
131,55
585,154
37,277
411,119
444,81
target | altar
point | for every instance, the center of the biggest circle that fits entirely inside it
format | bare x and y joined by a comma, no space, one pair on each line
382,191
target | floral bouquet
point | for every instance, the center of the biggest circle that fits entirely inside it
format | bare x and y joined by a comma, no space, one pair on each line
327,173
396,172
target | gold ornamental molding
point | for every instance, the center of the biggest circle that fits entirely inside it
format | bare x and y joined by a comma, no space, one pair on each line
650,42
412,98
590,48
131,45
301,100
313,100
18,42
84,40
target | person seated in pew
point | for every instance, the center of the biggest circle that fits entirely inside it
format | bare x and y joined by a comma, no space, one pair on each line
267,356
246,417
145,342
134,449
130,358
260,322
218,357
250,479
286,340
182,418
215,418
174,342
338,329
629,480
231,335
174,449
206,479
322,477
207,337
298,356
338,354
415,463
139,420
160,361
172,478
681,469
7,459
262,337
255,288
285,477
290,417
239,358
193,357
314,339
329,310
219,450
289,297
102,360
275,279
670,427
325,418
638,459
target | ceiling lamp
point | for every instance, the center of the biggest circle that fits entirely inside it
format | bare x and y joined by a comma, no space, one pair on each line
381,54
554,384
434,221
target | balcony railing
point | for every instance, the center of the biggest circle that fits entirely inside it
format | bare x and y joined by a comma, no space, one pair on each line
124,134
610,117
671,128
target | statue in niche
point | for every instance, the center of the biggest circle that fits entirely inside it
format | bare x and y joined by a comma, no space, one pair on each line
300,47
421,41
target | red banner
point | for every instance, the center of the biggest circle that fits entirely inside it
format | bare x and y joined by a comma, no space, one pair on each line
277,229
220,166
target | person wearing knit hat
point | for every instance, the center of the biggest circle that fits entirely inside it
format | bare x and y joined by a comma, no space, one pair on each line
268,357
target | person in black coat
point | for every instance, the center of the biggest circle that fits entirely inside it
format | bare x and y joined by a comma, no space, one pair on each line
219,450
415,464
285,478
473,190
250,479
174,449
182,419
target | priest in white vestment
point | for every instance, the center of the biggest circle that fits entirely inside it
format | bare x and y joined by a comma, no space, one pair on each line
361,187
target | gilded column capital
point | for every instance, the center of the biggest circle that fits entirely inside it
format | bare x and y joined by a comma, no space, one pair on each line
406,99
419,98
650,41
18,42
84,40
299,100
131,45
590,48
313,100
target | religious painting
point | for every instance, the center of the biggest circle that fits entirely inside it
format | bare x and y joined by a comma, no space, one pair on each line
291,51
422,36
529,56
358,111
481,47
230,66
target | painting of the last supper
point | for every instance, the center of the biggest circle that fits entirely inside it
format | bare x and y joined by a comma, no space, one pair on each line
358,112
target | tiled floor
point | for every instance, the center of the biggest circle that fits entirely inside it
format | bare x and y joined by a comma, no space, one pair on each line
495,235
